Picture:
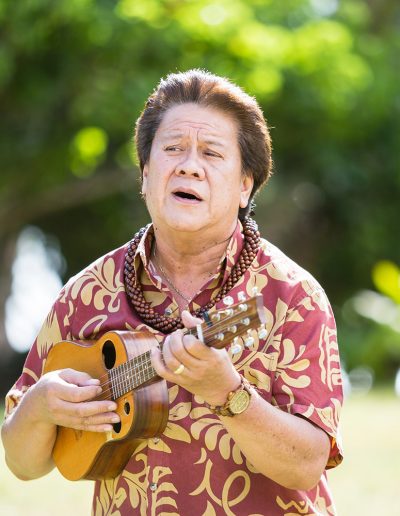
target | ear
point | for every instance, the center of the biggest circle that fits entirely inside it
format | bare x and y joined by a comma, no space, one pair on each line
144,179
247,183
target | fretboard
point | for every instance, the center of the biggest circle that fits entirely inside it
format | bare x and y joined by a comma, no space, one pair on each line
217,331
129,375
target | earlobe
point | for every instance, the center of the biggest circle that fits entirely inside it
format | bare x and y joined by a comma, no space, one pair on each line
247,187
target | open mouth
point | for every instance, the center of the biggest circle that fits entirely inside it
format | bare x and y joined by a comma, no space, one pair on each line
186,195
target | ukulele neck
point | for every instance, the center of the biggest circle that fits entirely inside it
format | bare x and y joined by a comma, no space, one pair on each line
131,374
219,330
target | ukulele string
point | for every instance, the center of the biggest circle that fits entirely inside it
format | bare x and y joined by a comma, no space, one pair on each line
132,363
221,326
208,333
136,371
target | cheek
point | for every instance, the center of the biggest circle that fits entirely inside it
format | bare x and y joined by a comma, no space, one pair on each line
229,195
227,198
155,191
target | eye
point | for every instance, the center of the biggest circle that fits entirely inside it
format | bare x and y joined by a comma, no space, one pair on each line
172,148
212,154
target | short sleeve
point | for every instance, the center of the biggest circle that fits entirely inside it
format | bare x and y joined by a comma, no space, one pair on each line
54,329
308,379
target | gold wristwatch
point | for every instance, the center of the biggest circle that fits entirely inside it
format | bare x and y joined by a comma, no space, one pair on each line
237,401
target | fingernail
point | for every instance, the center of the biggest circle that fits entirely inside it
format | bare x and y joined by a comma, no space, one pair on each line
112,407
115,419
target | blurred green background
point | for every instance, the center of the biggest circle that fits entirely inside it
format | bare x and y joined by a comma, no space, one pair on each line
74,75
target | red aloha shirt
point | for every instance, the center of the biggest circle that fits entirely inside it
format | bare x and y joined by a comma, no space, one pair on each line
195,467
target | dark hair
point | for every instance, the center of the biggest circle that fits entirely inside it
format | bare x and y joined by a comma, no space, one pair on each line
208,90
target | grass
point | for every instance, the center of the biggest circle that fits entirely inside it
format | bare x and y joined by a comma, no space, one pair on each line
47,496
367,483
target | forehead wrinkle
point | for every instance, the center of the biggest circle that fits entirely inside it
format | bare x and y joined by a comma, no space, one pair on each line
170,126
210,137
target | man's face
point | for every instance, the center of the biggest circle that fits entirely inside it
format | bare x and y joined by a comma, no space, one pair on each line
193,180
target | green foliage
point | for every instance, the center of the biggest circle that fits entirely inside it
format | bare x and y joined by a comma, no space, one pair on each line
386,277
87,148
74,75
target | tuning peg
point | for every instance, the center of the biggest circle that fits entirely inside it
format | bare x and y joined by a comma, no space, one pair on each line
262,332
254,291
236,346
232,329
228,312
242,296
216,317
220,336
248,341
228,301
245,321
243,307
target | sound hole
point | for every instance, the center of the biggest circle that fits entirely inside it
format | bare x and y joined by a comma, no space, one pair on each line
117,427
127,408
109,354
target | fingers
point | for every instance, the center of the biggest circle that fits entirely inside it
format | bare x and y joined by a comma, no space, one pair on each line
166,363
74,386
89,416
159,365
189,321
182,349
210,378
78,377
73,404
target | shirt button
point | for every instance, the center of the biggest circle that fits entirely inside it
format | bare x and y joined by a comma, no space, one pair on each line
168,311
156,440
153,486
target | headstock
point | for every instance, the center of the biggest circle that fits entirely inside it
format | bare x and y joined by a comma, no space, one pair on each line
226,326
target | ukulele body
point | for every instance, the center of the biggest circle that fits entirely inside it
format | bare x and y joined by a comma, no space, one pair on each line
143,412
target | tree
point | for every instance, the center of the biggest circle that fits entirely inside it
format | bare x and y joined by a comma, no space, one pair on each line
73,78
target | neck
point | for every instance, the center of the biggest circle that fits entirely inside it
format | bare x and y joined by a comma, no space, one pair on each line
168,324
189,260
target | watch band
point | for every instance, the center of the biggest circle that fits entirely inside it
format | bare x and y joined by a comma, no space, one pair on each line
243,392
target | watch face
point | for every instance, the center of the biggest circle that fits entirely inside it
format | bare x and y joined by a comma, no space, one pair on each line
239,402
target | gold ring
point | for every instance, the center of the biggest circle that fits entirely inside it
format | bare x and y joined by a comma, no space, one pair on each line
179,369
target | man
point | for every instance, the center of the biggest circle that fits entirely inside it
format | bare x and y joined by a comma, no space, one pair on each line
204,151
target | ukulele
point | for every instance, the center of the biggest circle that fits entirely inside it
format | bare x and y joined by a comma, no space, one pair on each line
122,362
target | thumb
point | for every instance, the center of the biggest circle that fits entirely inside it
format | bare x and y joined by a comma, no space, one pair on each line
79,378
189,321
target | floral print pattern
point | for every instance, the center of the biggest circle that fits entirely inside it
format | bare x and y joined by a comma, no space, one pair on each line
195,467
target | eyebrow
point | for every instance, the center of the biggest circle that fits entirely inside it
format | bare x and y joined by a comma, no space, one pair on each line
180,134
215,143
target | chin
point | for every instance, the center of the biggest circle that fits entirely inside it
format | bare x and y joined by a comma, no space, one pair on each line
186,226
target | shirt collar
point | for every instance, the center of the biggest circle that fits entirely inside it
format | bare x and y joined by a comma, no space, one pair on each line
228,260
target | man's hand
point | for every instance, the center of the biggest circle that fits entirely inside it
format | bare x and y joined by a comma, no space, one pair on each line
64,398
67,398
207,372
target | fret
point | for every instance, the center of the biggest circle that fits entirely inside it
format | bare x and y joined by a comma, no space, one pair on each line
125,381
114,385
217,332
131,374
140,371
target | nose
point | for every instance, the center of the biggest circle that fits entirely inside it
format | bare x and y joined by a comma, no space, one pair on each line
191,166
